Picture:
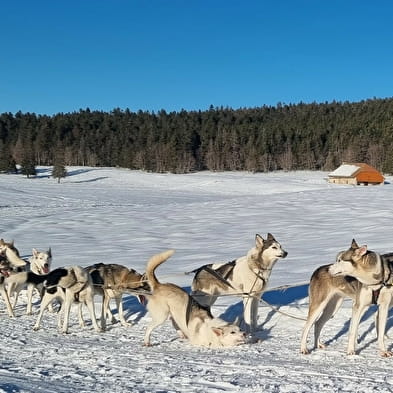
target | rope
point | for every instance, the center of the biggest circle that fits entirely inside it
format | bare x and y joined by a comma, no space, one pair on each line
282,312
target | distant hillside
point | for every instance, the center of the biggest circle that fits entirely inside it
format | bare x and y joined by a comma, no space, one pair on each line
289,137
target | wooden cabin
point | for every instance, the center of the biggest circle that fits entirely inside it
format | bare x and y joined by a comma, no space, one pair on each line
359,173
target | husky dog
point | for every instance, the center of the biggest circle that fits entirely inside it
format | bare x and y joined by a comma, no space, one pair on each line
326,294
39,263
376,277
112,281
247,276
5,271
11,253
190,318
77,285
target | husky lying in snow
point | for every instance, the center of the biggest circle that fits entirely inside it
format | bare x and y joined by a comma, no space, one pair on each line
247,275
192,320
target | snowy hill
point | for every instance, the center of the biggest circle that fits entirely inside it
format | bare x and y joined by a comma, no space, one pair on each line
121,216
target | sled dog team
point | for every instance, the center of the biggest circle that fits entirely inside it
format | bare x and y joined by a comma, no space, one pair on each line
360,274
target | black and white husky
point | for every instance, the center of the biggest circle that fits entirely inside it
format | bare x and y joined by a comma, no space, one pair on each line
74,281
246,276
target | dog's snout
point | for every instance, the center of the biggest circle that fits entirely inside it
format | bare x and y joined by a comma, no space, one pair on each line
284,254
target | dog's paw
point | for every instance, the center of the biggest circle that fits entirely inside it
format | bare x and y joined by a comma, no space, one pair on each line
386,354
304,351
35,328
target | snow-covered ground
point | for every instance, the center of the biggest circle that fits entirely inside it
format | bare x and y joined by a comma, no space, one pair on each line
121,216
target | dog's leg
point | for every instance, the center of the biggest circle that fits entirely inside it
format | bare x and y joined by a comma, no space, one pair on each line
80,315
314,311
329,311
30,289
178,330
358,309
383,308
46,299
90,306
13,290
66,310
159,316
7,301
120,310
250,313
105,310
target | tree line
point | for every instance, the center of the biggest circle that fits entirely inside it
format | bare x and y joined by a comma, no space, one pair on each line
316,136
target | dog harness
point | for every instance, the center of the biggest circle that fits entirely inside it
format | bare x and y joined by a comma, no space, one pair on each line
216,274
388,282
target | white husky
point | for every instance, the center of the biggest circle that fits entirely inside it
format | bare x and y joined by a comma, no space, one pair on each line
39,263
247,276
191,319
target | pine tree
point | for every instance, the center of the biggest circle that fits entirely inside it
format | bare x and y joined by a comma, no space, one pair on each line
28,163
59,171
7,163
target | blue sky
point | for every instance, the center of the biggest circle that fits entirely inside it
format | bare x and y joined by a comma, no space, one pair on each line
62,56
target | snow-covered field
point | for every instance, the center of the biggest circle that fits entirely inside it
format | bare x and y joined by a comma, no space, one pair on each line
121,216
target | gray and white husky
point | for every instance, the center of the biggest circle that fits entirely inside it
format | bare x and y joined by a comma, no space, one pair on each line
359,274
246,276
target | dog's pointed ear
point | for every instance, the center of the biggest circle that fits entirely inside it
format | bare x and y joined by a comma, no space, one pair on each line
217,331
270,237
354,245
50,252
361,251
2,242
259,241
35,252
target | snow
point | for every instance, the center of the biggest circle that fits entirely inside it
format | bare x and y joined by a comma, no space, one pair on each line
345,170
120,216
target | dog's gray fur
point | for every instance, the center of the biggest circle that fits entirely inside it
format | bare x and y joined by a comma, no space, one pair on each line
247,276
374,274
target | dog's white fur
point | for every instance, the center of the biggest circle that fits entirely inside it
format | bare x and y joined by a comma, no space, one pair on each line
375,274
39,263
5,271
249,277
195,322
11,253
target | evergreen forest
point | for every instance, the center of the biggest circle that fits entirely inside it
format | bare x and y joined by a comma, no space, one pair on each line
316,136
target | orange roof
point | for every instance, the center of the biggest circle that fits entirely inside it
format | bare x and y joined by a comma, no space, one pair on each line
366,173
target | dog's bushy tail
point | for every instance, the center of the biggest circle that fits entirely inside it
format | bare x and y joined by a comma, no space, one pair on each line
154,262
